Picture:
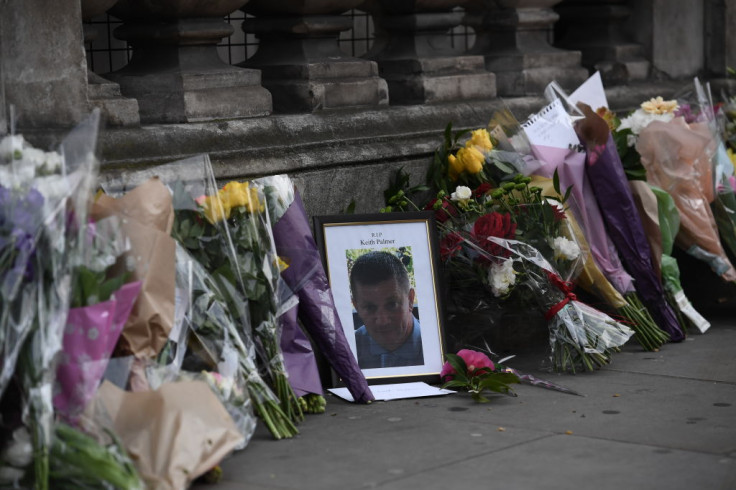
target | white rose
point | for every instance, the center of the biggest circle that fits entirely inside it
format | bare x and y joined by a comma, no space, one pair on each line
501,277
566,249
462,193
640,119
9,145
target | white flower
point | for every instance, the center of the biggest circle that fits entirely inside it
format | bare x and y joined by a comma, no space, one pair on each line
640,119
461,193
565,249
19,452
501,277
9,145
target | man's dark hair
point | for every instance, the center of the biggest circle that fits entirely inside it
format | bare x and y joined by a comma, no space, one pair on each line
375,267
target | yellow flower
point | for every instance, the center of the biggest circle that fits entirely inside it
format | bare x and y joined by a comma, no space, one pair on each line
456,167
237,194
215,209
472,159
480,139
281,263
731,155
658,105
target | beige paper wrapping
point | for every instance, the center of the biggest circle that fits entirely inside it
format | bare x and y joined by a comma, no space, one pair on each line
147,217
173,434
646,203
677,159
591,278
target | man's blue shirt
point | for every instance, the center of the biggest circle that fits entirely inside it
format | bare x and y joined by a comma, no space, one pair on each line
371,355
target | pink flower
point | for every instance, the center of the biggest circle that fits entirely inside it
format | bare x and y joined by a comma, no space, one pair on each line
475,362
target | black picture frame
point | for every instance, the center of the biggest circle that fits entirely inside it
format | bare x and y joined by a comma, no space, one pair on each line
341,238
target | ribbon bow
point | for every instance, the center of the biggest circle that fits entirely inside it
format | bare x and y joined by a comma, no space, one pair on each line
566,288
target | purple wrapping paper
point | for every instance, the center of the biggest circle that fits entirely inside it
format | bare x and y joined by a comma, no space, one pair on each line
611,188
307,279
89,338
298,356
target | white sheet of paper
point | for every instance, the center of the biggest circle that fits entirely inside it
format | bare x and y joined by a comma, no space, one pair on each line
591,92
395,391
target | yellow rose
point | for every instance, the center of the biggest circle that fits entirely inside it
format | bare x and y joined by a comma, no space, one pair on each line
480,139
456,167
237,194
215,209
472,159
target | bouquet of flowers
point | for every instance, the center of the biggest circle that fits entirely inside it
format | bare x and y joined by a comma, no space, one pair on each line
44,209
618,209
677,158
201,226
102,299
306,277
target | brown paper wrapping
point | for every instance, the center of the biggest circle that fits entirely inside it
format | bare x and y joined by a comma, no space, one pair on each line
147,216
646,203
173,434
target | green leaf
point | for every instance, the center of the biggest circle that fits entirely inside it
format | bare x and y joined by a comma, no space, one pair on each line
556,182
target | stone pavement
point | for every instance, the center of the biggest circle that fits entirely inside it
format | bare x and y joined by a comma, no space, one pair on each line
650,420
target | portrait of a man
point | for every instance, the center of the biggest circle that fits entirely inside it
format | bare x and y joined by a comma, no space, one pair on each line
384,300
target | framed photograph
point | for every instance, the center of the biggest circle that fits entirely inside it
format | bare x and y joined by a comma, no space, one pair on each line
383,271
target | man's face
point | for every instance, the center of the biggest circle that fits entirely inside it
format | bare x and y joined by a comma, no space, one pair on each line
386,310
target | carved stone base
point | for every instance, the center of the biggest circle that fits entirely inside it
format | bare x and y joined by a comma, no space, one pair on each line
431,80
117,110
520,74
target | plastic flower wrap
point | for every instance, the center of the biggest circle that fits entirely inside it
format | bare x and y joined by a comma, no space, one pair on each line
102,299
581,337
222,251
306,277
44,208
556,144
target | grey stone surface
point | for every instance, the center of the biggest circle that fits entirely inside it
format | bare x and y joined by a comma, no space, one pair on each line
649,420
44,68
325,152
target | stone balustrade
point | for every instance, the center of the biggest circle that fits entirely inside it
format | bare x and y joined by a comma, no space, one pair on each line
301,105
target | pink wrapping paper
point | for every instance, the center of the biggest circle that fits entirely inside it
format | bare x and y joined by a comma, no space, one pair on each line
677,159
89,339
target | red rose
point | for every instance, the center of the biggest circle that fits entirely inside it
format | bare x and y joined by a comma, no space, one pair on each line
497,225
482,189
443,211
450,245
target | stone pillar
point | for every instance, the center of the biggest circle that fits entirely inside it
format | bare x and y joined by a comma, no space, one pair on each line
672,34
720,36
175,72
414,55
597,29
301,62
43,63
515,38
116,109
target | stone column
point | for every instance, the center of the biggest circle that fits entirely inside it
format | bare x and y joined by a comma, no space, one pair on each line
175,72
720,36
515,38
43,64
597,29
116,109
301,61
414,54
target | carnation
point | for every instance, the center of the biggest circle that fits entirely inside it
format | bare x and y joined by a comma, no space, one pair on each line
566,249
640,119
501,277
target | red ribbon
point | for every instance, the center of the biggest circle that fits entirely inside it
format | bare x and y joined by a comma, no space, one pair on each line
565,287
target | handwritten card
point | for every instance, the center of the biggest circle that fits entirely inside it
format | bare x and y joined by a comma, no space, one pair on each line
396,391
